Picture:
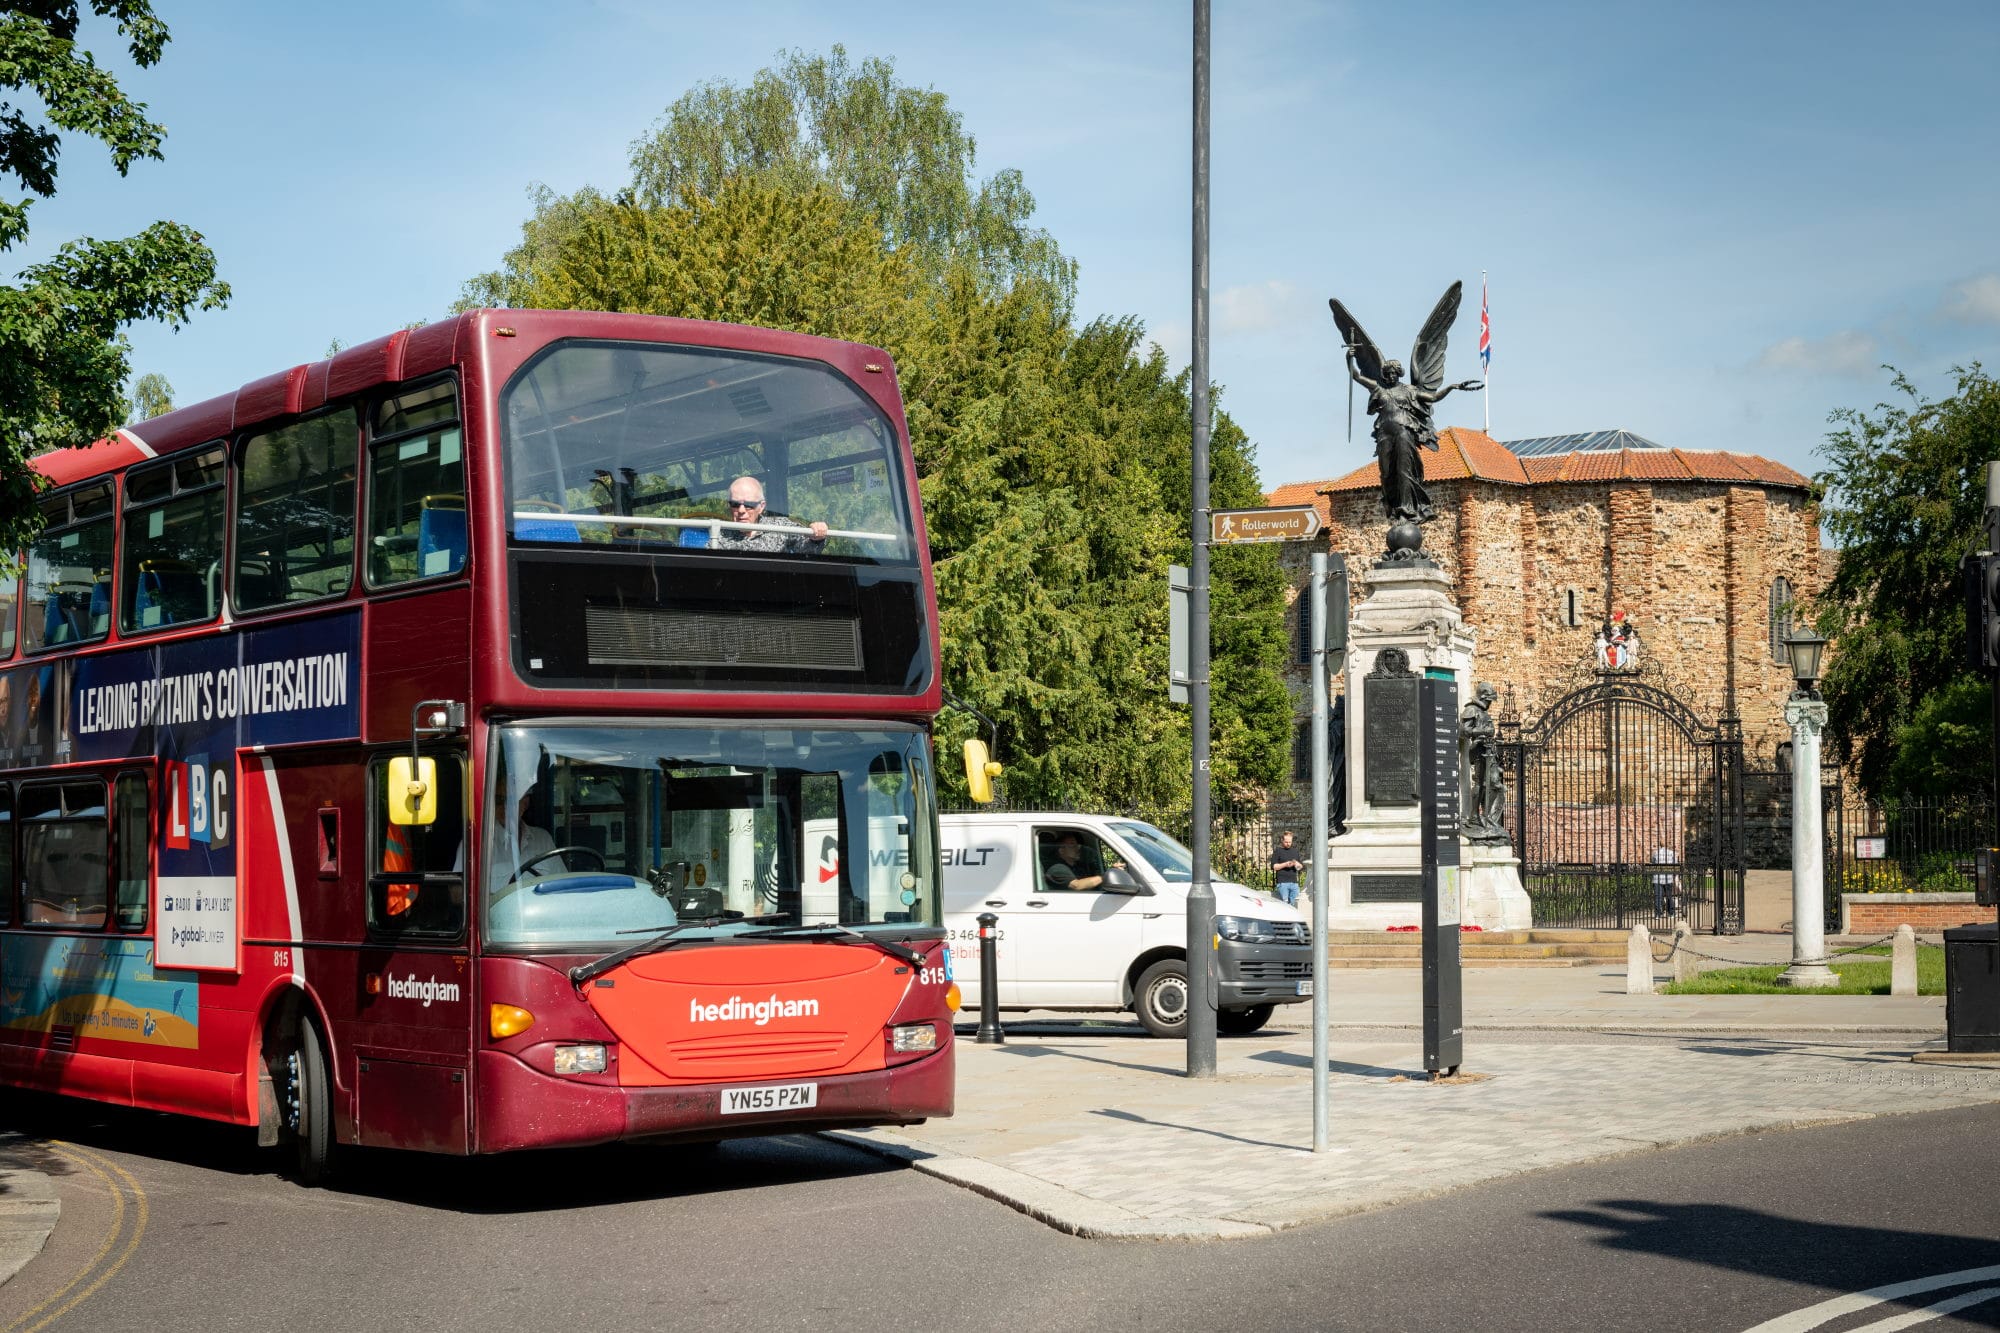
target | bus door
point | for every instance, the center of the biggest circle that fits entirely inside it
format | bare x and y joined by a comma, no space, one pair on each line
411,1030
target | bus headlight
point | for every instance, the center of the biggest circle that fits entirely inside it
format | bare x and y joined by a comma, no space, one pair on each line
912,1037
586,1059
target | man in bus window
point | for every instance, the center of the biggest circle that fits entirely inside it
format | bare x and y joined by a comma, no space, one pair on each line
746,505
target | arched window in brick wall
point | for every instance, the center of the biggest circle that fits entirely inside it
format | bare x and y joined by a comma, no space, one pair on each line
1781,621
1305,641
1302,755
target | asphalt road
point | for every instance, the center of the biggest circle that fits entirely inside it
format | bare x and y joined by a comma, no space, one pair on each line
170,1224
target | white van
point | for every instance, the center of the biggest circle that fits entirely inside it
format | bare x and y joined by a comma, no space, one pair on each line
1118,938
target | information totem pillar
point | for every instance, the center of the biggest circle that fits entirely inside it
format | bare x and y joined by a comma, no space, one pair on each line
1437,734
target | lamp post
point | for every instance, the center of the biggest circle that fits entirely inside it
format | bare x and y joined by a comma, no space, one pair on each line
1806,716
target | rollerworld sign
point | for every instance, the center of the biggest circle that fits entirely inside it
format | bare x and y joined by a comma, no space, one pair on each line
1238,527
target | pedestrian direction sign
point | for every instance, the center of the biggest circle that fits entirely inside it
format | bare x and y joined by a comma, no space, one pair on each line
1238,527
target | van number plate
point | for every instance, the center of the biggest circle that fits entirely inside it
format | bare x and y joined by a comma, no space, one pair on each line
1305,988
769,1097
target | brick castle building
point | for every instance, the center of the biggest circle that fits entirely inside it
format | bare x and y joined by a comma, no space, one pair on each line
1549,540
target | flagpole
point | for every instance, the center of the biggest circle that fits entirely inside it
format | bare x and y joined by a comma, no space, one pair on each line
1485,349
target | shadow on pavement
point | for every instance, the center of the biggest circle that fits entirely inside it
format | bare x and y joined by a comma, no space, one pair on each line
1196,1129
1299,1061
526,1183
1831,1257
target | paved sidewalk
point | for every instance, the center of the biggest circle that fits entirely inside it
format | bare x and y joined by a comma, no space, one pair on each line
28,1204
1092,1127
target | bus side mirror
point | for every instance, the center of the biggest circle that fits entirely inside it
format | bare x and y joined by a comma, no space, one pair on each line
980,770
412,790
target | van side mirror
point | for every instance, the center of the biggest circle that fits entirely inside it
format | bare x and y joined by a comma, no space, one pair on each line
412,790
980,770
1117,879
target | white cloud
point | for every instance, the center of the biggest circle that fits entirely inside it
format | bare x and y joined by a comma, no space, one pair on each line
1975,300
1259,307
1176,339
1849,352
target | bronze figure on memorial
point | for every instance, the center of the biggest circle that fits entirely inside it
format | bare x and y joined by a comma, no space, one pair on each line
1402,414
1483,793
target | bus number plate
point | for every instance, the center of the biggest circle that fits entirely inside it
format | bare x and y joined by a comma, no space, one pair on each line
1305,988
769,1097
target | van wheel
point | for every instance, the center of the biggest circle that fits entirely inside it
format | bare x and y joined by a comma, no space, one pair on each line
1161,998
305,1097
1243,1022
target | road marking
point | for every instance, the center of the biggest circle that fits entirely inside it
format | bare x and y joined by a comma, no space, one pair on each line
104,1169
1924,1316
1799,1321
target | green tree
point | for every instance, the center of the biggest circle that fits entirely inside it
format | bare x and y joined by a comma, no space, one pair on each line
63,357
152,396
1053,461
1905,494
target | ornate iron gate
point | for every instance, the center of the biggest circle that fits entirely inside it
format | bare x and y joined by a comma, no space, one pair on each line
1627,806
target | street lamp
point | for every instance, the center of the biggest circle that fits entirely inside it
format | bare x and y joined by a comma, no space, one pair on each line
1806,716
1806,648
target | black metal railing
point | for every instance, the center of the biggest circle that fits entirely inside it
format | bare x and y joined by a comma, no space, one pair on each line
1904,845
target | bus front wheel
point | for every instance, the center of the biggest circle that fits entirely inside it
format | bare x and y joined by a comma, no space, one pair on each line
307,1102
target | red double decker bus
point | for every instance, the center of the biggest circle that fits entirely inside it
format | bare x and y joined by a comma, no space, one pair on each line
505,734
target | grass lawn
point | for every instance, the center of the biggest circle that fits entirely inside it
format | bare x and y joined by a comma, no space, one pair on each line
1857,977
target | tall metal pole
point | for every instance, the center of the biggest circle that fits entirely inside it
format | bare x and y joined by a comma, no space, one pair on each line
1201,896
1993,544
1321,780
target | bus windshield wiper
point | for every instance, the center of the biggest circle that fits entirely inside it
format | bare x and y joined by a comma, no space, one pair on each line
840,934
583,972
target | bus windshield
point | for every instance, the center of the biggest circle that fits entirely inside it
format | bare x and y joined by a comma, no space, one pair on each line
1174,862
600,831
644,446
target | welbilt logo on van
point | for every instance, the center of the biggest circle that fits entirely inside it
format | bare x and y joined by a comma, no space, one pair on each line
968,856
758,1012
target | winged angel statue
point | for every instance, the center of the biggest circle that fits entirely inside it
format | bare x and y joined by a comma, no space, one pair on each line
1402,414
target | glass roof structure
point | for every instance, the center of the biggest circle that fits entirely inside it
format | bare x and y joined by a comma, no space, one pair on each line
1584,442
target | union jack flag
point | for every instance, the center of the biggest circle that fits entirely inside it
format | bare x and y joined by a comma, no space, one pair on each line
1485,331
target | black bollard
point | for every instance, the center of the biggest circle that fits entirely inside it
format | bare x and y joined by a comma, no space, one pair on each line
989,1033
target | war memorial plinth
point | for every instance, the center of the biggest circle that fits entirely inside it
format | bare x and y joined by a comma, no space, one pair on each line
1405,626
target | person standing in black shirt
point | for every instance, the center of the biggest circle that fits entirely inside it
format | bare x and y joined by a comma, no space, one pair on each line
1285,867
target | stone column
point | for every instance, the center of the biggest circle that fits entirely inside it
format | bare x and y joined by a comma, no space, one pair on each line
1807,718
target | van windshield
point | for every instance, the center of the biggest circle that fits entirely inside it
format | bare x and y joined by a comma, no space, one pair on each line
1174,862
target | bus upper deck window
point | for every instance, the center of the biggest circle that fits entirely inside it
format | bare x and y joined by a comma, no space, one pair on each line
295,512
416,487
175,520
69,569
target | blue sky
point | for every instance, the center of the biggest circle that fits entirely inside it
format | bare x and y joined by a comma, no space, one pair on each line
1706,223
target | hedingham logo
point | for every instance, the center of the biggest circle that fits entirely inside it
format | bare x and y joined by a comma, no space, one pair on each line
760,1012
428,990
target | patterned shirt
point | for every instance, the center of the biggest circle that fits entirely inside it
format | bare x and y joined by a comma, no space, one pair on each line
783,543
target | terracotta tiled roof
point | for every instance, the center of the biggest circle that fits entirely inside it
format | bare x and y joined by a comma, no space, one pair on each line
1664,465
1464,452
1302,493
